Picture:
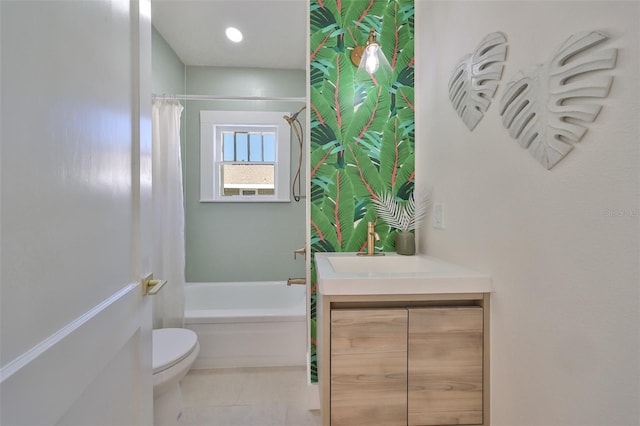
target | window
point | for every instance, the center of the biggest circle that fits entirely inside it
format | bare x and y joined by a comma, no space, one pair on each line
248,160
244,156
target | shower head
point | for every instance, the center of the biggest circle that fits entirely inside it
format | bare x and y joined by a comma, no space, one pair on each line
294,116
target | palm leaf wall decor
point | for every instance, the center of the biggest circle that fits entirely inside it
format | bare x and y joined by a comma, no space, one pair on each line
544,106
475,79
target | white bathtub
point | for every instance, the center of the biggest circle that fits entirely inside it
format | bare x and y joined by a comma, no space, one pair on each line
247,324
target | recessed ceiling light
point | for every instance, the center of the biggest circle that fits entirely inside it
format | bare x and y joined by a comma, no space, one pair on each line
234,34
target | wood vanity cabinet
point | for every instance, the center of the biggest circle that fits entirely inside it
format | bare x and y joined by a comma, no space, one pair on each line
445,362
397,362
369,367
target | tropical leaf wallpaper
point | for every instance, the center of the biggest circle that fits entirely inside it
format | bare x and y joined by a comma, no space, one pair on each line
362,129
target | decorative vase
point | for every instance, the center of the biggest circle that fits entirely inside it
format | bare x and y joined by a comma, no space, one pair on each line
405,243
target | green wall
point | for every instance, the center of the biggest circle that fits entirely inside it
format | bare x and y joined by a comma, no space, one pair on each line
362,130
168,71
233,241
241,241
167,74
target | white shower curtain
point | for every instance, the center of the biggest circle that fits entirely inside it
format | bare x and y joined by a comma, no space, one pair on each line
168,211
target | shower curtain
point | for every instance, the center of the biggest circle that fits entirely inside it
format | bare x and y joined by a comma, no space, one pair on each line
168,212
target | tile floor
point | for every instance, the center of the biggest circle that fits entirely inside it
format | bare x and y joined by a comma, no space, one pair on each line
274,396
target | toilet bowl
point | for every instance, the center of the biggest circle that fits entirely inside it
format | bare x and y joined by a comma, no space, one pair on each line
174,351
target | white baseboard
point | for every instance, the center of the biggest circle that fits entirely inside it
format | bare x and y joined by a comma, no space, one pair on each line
313,396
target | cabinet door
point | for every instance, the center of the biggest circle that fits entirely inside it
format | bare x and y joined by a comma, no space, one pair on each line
369,367
445,366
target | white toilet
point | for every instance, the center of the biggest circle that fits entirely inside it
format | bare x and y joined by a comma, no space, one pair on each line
174,351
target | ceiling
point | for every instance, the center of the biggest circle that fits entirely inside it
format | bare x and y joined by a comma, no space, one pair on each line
274,31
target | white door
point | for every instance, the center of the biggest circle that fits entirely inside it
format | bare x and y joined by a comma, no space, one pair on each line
76,180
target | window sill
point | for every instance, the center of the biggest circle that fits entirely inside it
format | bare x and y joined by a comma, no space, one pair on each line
246,199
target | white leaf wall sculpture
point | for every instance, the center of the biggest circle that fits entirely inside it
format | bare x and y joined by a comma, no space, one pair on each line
541,107
475,79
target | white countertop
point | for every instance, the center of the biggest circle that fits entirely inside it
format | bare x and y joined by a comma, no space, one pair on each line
350,274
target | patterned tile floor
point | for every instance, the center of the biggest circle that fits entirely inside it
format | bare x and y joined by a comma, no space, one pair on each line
274,396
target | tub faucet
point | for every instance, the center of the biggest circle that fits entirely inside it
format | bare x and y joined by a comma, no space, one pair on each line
302,281
372,237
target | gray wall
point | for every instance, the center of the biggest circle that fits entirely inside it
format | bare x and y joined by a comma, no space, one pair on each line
240,241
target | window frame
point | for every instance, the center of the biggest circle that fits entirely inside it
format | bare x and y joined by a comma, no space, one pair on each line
213,123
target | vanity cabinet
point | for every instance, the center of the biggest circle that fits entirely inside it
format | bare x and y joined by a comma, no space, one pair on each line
445,362
417,361
369,367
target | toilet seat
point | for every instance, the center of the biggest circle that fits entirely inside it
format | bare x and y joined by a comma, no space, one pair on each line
170,346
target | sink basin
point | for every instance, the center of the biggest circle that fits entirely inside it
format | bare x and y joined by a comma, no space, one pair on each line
379,264
348,273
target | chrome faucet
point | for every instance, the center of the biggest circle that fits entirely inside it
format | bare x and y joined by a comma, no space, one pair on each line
372,237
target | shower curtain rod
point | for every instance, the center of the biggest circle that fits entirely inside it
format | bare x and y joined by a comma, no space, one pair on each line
230,98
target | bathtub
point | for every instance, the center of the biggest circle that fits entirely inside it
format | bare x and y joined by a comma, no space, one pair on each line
247,324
